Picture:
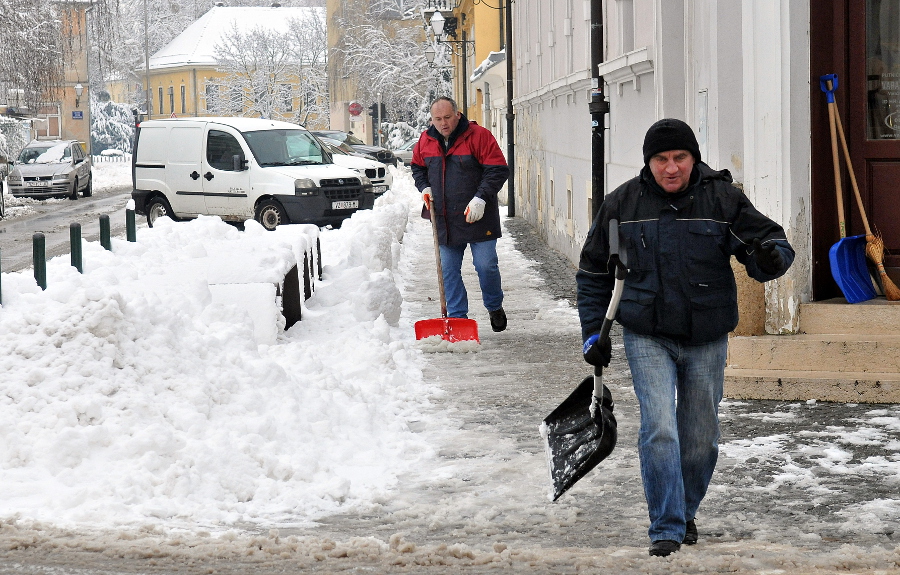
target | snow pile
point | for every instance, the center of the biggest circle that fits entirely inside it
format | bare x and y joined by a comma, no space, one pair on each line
131,396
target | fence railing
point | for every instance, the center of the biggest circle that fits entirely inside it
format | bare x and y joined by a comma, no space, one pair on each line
100,158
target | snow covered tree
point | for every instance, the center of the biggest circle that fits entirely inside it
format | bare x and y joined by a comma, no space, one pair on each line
273,74
381,49
112,126
32,52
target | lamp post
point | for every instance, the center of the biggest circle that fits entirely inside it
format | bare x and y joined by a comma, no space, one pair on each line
443,27
79,90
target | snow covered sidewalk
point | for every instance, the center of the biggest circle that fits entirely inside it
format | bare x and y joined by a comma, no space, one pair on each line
347,446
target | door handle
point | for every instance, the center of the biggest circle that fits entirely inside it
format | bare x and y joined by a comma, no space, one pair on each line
208,176
195,175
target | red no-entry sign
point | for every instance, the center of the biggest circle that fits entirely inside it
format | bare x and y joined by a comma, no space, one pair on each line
355,108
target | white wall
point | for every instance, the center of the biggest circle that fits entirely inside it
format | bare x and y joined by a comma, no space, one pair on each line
737,72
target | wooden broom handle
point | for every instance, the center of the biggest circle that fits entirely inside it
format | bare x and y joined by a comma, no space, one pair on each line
859,202
837,168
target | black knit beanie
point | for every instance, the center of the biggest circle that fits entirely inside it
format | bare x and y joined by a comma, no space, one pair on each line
670,134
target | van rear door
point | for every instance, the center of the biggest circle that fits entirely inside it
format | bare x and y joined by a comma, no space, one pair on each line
184,146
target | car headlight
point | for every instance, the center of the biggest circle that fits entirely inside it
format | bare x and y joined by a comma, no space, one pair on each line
305,187
60,177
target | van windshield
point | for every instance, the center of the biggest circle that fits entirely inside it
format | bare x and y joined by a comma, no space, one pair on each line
286,147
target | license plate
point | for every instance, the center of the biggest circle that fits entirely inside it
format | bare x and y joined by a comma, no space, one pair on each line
39,184
347,205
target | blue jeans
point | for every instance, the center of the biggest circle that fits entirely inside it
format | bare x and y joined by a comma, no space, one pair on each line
678,388
484,257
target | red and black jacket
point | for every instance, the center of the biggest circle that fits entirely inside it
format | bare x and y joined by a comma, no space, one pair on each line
471,165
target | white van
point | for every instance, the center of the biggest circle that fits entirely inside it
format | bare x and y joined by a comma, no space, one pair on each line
241,168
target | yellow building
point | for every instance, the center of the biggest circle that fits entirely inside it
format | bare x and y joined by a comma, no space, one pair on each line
182,74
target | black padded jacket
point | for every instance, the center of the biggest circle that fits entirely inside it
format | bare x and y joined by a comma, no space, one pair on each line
680,283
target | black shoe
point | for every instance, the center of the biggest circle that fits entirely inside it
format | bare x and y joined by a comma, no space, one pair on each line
690,533
664,547
498,319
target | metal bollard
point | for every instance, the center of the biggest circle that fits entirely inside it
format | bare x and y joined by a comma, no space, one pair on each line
75,241
130,230
40,259
319,257
104,232
1,277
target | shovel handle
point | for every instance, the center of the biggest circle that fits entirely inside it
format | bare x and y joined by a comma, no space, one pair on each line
828,84
618,261
437,257
853,183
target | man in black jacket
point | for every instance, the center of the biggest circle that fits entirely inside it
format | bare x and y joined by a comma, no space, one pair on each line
680,222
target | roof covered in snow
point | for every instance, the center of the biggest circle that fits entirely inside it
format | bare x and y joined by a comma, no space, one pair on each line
196,45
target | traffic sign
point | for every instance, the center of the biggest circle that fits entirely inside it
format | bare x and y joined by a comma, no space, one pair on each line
355,108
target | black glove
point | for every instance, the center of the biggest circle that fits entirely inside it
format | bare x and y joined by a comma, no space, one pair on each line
596,351
768,258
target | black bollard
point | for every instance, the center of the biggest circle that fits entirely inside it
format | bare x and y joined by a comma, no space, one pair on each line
40,259
319,257
75,241
104,232
130,231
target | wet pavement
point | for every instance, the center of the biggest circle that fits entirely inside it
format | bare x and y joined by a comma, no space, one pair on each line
800,487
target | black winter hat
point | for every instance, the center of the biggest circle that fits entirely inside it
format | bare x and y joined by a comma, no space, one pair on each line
670,134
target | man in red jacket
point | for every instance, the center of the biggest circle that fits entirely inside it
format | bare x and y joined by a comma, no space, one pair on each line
458,165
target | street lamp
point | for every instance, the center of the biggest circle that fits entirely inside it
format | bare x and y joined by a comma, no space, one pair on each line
79,90
437,24
443,27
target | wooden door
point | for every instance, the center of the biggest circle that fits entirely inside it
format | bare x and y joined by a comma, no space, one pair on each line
873,125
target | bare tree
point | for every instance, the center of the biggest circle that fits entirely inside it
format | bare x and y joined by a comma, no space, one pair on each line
274,75
382,51
32,52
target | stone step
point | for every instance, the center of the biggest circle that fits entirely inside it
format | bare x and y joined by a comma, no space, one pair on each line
839,386
815,352
835,316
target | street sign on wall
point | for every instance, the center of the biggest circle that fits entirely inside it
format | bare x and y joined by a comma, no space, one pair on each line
77,115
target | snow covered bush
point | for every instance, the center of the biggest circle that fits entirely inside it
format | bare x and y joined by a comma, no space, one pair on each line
112,126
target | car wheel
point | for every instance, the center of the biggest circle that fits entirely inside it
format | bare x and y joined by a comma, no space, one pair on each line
89,188
74,194
158,207
271,214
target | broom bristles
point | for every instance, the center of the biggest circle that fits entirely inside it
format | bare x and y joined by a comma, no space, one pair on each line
875,251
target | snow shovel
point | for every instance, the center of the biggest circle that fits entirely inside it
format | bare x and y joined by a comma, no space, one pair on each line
581,432
848,255
451,329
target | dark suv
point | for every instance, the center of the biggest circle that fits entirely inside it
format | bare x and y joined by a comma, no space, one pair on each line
383,155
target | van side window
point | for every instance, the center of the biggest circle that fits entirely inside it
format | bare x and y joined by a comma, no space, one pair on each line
220,148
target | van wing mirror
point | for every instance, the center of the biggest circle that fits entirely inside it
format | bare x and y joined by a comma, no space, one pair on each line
239,162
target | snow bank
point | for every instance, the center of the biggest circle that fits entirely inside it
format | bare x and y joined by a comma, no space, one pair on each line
132,396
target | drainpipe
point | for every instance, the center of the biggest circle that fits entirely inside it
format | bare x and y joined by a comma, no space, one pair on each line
598,107
510,118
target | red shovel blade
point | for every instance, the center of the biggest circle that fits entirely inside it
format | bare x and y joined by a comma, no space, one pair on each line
451,329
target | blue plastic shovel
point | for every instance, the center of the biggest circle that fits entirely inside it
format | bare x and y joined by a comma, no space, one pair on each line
848,255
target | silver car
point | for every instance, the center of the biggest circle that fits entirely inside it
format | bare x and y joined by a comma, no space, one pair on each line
405,152
51,168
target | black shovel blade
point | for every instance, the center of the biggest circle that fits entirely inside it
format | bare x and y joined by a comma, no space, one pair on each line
576,440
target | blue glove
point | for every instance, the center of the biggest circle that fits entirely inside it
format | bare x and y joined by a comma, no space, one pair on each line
597,352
